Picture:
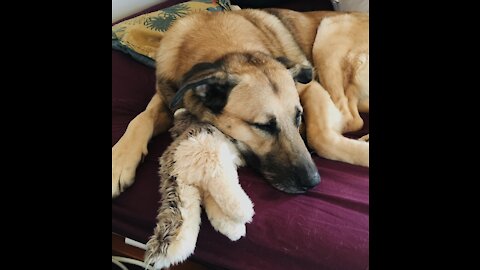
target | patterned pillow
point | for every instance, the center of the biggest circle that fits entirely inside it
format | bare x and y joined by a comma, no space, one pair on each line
140,36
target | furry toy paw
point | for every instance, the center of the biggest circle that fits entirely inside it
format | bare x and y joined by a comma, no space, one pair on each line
221,222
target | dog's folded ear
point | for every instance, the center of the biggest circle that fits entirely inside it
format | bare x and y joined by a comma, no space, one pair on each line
300,73
209,82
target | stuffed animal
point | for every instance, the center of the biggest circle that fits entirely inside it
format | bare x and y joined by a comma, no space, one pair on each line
198,168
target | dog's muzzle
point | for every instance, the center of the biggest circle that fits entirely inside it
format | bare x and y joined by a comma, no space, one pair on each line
294,178
297,179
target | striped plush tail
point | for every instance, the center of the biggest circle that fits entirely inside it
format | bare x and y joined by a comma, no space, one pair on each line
178,221
169,220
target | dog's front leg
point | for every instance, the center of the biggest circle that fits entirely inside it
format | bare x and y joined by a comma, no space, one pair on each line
128,151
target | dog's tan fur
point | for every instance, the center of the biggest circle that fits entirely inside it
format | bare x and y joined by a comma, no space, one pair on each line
247,41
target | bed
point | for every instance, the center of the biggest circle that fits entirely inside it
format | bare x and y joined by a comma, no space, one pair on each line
326,228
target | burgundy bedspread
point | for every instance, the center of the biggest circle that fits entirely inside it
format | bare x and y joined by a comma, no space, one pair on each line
326,228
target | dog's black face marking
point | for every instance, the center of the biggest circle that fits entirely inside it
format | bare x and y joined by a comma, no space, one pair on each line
214,95
209,82
285,61
252,160
201,68
270,127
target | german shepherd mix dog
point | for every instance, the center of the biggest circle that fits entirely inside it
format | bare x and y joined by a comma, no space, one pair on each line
251,74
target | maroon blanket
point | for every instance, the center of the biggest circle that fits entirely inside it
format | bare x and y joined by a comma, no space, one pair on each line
326,228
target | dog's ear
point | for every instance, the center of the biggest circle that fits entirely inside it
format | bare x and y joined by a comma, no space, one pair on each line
209,82
300,73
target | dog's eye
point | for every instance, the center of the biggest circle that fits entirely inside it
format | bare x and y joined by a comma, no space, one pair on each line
298,118
270,127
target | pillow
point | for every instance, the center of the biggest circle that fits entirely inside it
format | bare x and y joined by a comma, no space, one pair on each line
140,36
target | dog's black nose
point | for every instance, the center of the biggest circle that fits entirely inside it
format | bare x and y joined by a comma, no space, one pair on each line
307,176
313,181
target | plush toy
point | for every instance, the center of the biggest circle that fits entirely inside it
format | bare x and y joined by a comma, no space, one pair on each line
199,167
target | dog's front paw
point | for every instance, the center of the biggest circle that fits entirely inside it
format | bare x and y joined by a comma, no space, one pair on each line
125,159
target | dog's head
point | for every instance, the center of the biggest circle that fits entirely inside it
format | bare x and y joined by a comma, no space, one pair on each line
252,98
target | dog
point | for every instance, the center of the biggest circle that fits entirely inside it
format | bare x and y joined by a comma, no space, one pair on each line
257,75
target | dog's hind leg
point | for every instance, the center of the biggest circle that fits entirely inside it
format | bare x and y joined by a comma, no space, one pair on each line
132,146
356,123
324,125
344,94
340,56
331,78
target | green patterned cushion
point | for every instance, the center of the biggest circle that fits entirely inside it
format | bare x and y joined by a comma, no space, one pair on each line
141,35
